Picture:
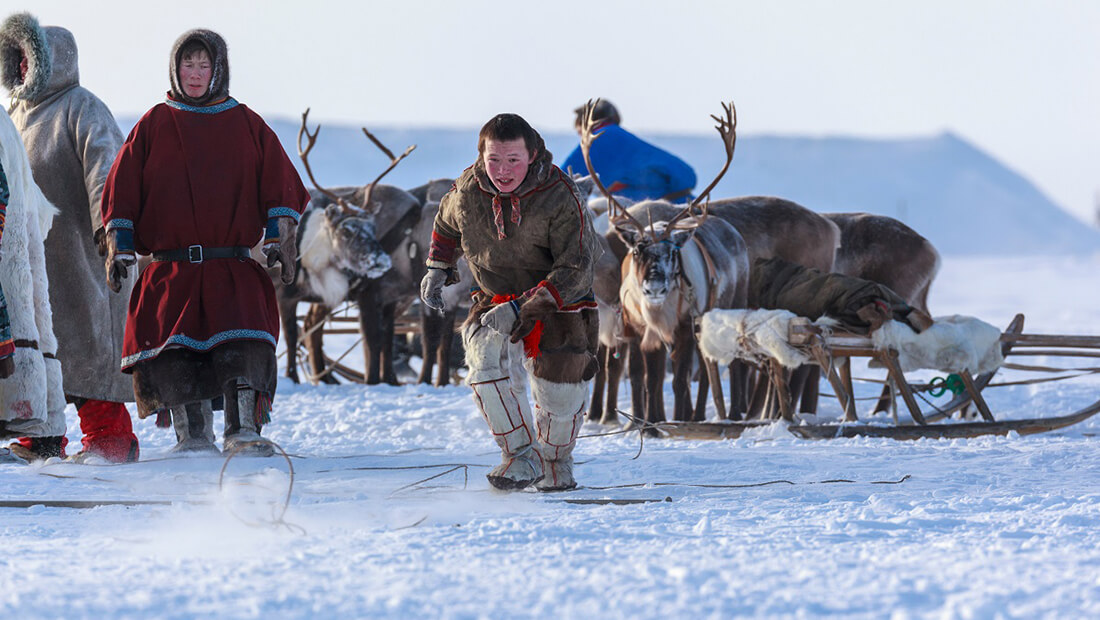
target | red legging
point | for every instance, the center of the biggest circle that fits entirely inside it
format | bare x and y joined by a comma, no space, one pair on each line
107,431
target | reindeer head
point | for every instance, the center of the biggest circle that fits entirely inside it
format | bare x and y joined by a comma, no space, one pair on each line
352,234
655,252
354,242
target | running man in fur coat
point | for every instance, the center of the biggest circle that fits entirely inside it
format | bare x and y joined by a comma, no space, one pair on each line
32,403
196,183
531,248
72,139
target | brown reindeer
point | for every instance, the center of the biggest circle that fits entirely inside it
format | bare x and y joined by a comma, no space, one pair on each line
775,227
770,227
884,250
676,269
346,239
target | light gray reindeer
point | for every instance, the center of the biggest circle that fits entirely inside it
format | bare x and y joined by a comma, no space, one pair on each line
884,250
345,239
676,269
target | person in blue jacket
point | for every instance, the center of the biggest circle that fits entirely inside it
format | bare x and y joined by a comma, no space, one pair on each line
627,165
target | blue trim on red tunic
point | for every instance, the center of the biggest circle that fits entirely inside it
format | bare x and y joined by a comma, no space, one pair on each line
209,109
284,212
119,222
202,346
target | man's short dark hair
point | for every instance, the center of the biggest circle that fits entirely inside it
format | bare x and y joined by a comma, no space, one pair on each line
603,112
504,127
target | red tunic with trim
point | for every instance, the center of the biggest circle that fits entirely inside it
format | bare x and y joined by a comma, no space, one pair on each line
209,176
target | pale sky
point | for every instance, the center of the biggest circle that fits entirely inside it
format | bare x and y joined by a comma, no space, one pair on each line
1019,79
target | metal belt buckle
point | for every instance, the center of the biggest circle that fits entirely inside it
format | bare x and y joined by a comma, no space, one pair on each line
194,253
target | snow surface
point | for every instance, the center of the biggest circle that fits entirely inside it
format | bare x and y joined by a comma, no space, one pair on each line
766,525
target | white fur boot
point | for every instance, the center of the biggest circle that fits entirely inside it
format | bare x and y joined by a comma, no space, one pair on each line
559,415
497,378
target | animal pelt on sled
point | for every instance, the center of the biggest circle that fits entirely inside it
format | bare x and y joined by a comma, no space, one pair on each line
859,306
32,401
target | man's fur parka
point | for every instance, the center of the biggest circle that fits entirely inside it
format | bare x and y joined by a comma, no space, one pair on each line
72,140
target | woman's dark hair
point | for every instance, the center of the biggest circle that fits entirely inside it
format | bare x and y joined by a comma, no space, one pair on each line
191,47
504,127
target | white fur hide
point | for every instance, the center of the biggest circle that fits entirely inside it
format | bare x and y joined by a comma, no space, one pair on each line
953,344
32,400
750,335
316,254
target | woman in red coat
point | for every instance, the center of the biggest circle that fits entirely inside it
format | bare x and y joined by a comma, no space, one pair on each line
198,180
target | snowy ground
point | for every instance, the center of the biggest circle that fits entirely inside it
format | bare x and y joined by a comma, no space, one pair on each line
765,525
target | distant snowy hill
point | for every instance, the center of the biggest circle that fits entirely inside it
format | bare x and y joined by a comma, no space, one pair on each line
962,199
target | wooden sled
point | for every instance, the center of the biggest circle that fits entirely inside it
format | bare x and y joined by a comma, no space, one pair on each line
827,349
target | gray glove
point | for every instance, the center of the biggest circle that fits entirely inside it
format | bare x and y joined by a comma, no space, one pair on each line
118,264
501,318
431,288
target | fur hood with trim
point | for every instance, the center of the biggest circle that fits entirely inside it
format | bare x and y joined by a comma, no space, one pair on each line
219,60
51,58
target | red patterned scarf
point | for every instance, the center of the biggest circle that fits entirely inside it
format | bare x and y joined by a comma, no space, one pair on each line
498,214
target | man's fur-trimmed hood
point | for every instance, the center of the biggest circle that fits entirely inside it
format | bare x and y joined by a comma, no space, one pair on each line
51,58
219,60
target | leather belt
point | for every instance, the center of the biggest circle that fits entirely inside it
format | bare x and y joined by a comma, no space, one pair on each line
32,344
198,254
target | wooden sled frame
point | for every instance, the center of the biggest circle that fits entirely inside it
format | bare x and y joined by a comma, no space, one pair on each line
826,351
342,320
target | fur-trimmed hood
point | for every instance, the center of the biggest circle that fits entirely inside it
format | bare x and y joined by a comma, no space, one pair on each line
51,58
219,60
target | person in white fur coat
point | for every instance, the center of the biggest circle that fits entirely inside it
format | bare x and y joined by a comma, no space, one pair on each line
32,400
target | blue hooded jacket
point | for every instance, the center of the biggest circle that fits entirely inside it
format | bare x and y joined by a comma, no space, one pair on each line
633,168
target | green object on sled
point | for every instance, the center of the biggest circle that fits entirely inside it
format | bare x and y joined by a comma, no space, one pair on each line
952,383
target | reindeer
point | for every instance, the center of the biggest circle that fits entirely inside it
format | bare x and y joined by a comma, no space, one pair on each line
770,227
345,239
884,250
402,285
775,227
676,269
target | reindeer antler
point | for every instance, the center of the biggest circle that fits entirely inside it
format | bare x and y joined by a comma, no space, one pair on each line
304,155
727,128
393,164
616,213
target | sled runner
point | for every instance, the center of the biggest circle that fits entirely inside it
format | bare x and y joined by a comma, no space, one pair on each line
964,347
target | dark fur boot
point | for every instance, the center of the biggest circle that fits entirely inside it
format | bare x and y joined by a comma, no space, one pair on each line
194,425
243,423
